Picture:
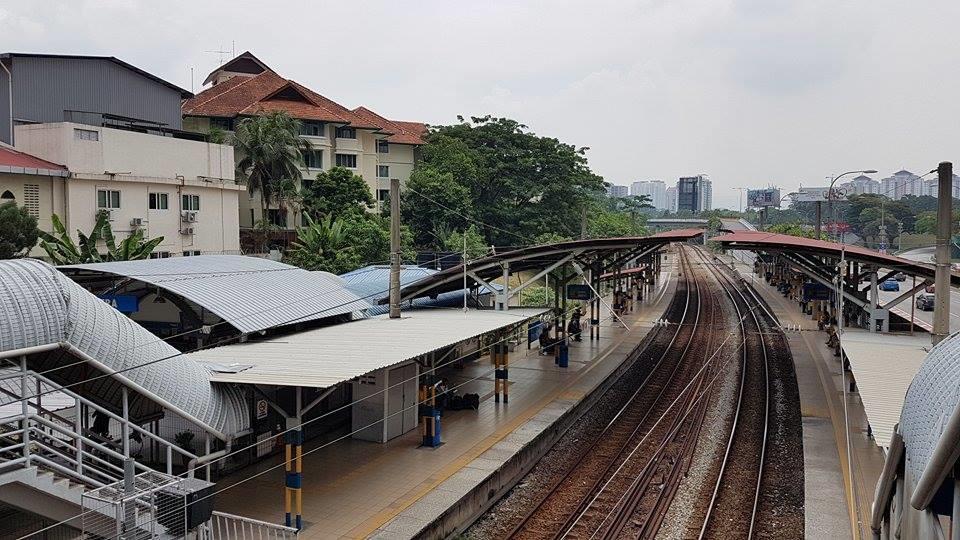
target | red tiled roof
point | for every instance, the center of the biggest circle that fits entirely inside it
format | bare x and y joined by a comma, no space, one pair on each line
402,132
258,94
13,158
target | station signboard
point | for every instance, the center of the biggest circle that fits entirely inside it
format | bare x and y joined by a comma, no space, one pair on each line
124,303
763,198
579,292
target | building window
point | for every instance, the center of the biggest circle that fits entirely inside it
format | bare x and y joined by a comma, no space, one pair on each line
253,220
313,129
160,255
347,160
383,195
225,124
383,146
86,134
108,198
31,199
7,196
346,133
159,201
191,202
383,171
277,217
313,159
192,253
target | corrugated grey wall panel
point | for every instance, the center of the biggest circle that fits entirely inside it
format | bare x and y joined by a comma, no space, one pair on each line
4,108
43,88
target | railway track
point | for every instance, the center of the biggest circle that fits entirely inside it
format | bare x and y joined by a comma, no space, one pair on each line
624,481
732,508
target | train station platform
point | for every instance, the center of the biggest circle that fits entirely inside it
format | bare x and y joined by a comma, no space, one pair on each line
356,489
830,493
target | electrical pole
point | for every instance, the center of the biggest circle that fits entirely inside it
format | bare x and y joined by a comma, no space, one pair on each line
941,298
395,248
818,219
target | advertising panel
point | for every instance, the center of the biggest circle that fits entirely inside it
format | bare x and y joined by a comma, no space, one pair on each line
818,194
762,198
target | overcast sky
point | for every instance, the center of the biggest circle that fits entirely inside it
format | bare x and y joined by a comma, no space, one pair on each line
751,92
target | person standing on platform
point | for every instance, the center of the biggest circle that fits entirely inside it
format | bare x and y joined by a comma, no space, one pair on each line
574,328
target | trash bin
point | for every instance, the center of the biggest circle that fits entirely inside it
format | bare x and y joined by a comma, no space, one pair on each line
563,360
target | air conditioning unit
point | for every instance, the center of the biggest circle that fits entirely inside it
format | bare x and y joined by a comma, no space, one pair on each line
186,230
188,216
137,222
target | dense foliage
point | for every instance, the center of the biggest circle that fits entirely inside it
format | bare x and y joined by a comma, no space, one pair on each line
63,250
269,149
510,183
18,230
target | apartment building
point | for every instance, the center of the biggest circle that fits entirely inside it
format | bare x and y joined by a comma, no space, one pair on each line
861,185
671,199
358,139
694,194
655,189
900,184
105,135
182,190
616,191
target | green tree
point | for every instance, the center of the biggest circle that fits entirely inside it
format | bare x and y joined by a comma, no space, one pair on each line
795,229
18,231
323,245
476,246
433,204
337,192
926,223
62,250
519,183
269,149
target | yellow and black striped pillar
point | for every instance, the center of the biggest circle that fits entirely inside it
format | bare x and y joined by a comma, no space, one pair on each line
499,351
294,476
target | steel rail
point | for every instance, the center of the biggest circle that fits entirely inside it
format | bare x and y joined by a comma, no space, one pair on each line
734,431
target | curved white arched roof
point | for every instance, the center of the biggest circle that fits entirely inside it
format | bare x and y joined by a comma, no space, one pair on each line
933,397
39,306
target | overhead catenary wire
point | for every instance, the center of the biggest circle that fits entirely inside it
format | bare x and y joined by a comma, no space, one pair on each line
281,433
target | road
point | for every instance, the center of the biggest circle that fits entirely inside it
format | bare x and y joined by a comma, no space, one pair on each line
926,316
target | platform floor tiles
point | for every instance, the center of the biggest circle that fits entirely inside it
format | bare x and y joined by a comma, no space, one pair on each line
350,488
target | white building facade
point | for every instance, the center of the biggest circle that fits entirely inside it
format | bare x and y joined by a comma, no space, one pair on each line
616,191
655,189
901,184
861,185
182,190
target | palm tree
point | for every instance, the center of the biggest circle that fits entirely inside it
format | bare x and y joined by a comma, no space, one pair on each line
271,151
323,245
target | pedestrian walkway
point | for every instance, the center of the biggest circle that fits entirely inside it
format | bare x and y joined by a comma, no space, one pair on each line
352,488
827,486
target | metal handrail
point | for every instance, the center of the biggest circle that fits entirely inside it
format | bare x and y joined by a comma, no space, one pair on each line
222,525
163,442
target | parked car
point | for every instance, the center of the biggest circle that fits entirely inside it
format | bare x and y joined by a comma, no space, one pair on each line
925,302
900,276
890,285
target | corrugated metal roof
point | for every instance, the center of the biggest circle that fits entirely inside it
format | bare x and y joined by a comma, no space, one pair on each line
933,398
883,366
249,293
326,356
373,283
40,306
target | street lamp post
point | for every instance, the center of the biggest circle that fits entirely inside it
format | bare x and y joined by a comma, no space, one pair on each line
830,194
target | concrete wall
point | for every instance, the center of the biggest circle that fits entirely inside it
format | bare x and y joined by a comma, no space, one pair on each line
141,164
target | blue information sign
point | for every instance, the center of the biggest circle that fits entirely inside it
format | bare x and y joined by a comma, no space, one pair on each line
124,303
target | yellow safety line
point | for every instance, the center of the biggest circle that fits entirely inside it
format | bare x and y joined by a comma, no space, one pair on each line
838,427
376,521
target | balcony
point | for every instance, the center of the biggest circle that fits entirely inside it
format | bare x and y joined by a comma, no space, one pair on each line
349,144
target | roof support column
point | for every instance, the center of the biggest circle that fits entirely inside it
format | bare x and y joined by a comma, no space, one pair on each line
503,298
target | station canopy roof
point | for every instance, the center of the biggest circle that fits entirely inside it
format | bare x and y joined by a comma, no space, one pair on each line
773,242
373,283
324,357
249,293
539,257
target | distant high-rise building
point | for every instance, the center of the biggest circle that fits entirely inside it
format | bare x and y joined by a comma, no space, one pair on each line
902,183
861,185
694,194
655,189
672,199
618,191
930,187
